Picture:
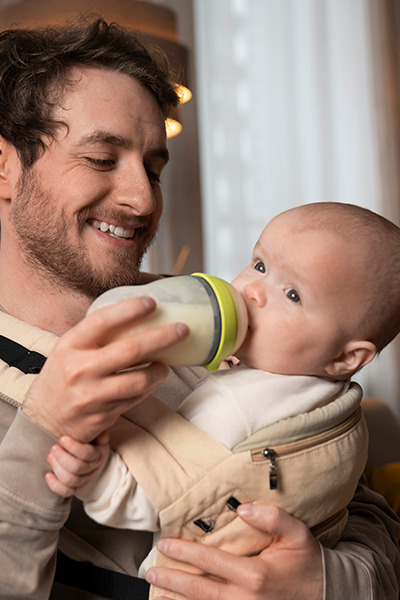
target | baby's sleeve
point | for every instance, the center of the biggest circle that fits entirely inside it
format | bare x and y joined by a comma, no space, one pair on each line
116,500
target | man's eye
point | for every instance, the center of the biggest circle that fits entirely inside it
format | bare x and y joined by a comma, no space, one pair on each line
101,163
259,266
153,177
293,295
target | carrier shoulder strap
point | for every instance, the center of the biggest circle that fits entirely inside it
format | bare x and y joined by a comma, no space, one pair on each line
76,574
15,355
103,582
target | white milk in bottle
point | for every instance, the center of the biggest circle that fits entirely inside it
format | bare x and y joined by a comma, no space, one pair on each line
212,309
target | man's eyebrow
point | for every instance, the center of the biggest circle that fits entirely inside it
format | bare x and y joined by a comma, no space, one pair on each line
104,137
159,152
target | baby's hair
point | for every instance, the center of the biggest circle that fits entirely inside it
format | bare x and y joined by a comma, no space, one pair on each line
375,247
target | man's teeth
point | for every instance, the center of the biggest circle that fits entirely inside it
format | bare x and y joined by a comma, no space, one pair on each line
112,230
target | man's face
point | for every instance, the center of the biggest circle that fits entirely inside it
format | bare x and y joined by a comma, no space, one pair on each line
88,209
301,290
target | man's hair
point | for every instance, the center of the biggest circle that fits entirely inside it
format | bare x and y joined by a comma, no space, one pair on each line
374,244
34,69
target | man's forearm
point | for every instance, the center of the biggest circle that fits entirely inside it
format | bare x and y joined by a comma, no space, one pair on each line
30,514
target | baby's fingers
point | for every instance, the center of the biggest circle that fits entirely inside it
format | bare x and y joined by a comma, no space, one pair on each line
62,462
81,459
71,477
57,487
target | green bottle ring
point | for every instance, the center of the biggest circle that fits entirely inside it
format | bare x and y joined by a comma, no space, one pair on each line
229,319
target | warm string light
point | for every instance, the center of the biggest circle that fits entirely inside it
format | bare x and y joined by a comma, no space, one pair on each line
184,94
172,126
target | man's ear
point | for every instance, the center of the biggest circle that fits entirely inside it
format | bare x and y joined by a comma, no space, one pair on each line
8,155
355,355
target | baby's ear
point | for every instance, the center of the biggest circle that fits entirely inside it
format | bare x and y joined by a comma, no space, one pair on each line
355,355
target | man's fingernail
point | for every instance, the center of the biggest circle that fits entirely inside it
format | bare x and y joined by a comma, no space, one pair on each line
150,577
162,546
148,302
246,510
183,330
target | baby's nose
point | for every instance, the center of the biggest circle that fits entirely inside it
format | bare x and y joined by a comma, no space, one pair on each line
255,293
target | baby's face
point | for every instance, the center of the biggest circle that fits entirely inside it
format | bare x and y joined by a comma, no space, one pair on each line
301,291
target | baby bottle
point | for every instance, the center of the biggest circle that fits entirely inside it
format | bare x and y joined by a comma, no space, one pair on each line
212,309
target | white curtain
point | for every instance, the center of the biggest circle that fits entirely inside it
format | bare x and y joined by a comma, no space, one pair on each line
287,116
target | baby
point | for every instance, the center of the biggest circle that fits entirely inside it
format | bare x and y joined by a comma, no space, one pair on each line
284,425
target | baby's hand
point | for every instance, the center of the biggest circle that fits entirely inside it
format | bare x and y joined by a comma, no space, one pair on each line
76,465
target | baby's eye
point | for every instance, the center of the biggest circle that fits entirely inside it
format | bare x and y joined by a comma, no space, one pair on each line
293,295
259,266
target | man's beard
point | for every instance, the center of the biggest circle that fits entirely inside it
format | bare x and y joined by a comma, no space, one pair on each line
43,238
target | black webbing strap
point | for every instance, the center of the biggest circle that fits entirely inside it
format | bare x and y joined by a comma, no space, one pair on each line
80,575
20,357
105,583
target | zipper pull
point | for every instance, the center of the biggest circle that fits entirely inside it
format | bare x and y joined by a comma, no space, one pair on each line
270,454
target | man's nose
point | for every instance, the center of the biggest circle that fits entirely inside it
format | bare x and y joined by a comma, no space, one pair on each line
256,293
134,190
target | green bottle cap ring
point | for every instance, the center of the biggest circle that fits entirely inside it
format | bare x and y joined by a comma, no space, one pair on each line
229,319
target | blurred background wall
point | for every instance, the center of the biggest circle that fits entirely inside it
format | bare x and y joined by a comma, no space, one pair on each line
294,101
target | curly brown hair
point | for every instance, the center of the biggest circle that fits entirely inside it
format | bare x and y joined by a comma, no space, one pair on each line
34,67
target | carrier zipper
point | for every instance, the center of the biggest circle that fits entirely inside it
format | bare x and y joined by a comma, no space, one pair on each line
271,454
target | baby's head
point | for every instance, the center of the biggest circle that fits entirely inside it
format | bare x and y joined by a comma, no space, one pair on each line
322,291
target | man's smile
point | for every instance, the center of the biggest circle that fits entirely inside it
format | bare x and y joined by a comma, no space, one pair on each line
112,230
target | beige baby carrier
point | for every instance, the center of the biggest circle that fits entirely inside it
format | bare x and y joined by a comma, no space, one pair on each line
309,465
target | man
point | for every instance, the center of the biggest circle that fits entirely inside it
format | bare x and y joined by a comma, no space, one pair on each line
82,150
